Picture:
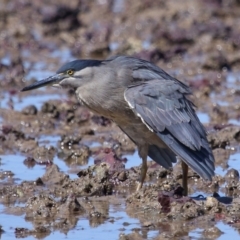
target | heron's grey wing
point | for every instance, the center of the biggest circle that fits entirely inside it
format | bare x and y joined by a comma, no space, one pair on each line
164,108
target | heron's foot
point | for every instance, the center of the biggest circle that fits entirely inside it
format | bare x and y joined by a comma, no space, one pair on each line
142,175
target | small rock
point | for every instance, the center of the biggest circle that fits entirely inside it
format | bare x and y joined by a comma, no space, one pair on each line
212,232
180,233
232,175
22,232
70,205
211,202
108,156
54,176
30,110
29,162
40,207
147,224
44,155
50,110
39,182
122,176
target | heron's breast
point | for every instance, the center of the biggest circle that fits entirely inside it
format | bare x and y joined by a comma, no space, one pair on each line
106,101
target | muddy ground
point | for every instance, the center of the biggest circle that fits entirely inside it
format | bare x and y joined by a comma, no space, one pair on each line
71,173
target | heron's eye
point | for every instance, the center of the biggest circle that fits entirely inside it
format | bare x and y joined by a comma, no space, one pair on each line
70,72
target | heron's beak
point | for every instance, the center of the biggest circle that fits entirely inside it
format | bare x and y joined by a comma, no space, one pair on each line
47,81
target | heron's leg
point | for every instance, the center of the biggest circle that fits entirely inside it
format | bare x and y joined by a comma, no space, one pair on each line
143,151
185,178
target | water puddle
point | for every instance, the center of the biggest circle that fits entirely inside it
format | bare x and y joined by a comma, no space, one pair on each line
232,79
49,140
93,144
196,234
234,122
10,223
109,228
70,170
228,232
21,172
14,163
116,223
133,160
232,84
232,162
18,103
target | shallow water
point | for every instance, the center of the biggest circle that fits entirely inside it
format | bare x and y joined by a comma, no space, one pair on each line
84,228
116,212
20,103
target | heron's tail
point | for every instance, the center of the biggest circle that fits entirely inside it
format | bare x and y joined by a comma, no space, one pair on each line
163,156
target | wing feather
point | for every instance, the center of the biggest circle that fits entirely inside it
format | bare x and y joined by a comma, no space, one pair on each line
164,108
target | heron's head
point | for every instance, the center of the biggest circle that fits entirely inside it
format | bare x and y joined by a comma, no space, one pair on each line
72,74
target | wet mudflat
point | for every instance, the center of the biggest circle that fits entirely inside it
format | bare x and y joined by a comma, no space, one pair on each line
67,173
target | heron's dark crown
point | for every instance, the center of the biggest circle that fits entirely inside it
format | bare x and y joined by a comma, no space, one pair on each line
78,65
